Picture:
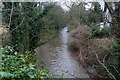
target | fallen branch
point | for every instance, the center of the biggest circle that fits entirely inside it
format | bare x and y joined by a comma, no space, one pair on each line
105,68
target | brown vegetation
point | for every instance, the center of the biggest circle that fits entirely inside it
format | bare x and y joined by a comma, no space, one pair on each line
4,35
87,49
78,35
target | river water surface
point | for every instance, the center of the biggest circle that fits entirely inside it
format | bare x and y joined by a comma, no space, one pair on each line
58,58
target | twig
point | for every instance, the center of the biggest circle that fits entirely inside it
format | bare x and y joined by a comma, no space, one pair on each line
67,5
105,68
18,25
101,76
116,70
71,74
104,58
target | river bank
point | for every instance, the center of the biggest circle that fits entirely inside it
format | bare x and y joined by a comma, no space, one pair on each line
86,50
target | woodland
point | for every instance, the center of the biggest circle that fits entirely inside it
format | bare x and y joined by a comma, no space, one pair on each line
28,25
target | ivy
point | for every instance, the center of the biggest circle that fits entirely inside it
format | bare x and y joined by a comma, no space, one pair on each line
17,66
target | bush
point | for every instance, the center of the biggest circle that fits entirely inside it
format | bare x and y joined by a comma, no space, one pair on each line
116,46
19,66
73,46
96,32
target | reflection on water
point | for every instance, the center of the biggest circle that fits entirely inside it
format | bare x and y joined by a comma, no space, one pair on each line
57,57
64,35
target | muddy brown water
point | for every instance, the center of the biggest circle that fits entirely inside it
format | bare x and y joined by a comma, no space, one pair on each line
58,58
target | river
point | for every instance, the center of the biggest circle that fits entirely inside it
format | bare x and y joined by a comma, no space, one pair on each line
58,58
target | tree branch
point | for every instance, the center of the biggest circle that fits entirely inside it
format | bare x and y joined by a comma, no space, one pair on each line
111,12
18,25
10,16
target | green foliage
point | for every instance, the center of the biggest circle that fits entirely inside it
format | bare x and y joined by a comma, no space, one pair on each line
96,32
7,50
31,25
16,65
114,66
117,14
95,15
31,21
79,15
116,47
112,62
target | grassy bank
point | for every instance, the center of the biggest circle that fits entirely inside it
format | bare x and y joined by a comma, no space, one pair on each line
91,51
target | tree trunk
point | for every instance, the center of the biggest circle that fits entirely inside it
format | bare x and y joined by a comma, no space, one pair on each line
115,22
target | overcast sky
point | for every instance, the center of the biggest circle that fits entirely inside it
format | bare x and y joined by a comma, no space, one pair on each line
63,3
68,2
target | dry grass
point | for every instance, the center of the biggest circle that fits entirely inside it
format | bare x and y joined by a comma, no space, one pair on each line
98,46
87,48
78,35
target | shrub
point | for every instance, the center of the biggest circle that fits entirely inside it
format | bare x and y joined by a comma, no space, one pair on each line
73,46
116,46
96,32
78,38
19,66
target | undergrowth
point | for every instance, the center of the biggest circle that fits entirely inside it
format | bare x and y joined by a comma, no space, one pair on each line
99,33
15,65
